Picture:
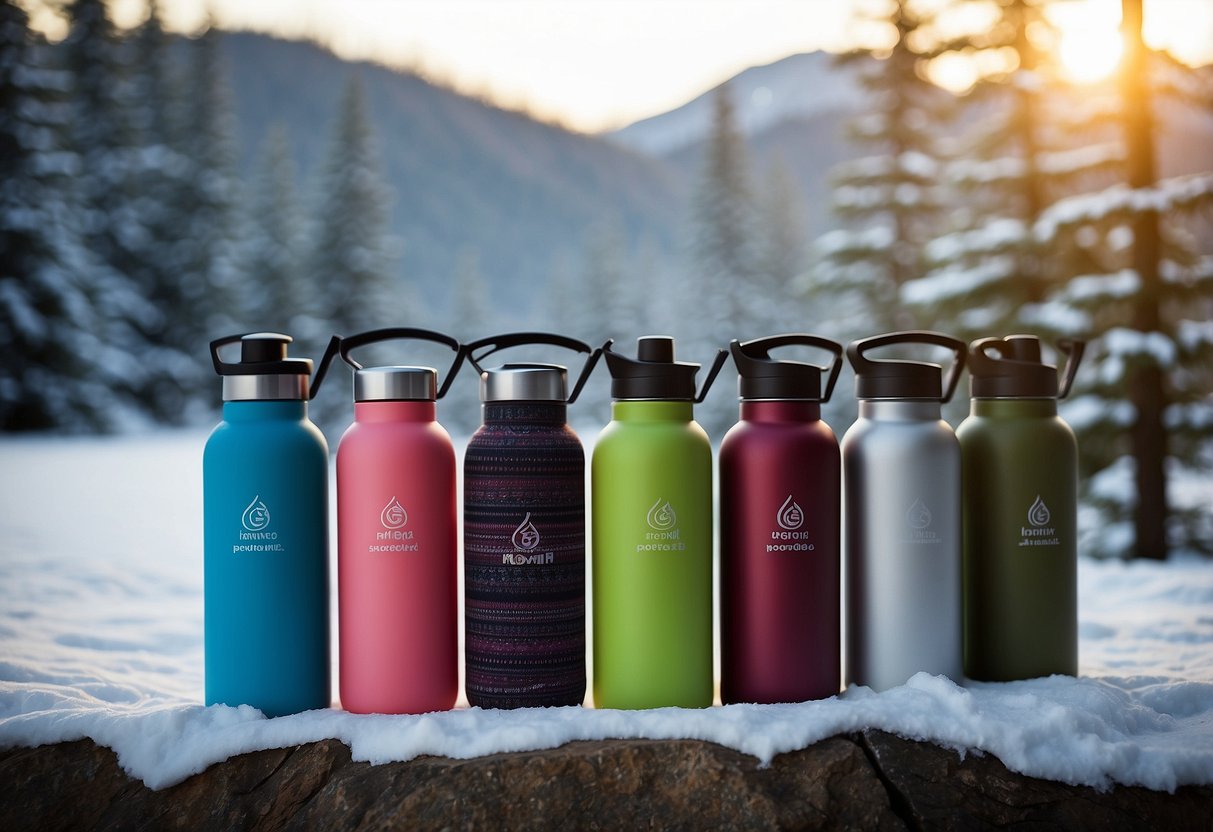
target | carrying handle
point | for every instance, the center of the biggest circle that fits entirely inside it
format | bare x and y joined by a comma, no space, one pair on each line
496,343
856,350
222,367
238,368
1073,349
763,346
717,365
344,346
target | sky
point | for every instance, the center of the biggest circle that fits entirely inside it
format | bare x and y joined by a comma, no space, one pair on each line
599,64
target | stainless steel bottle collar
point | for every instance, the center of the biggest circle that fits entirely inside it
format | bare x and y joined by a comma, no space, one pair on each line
275,387
397,383
525,383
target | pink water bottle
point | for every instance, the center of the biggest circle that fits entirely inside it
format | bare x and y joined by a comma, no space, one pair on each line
396,537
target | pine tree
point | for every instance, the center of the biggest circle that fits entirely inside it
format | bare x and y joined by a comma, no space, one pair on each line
890,199
50,376
781,252
104,139
351,261
1141,410
472,316
1027,145
724,227
210,279
273,295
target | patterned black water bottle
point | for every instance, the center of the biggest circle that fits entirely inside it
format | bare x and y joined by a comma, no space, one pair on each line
524,533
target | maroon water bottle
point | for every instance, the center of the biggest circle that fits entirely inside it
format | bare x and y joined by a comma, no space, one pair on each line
780,483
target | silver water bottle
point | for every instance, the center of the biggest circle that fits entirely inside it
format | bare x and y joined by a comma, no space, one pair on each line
902,524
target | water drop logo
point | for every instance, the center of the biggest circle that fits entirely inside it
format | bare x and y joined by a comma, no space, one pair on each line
661,516
918,516
791,516
526,536
393,515
257,516
1038,514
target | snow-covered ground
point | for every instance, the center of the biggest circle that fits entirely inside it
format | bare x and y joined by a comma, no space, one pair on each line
101,637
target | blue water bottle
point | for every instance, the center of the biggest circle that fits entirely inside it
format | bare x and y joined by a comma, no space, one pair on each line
265,506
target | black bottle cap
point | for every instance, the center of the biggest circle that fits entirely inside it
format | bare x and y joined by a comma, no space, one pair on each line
898,379
761,377
1012,368
654,374
261,354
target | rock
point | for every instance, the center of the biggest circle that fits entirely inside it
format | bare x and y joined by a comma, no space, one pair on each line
869,781
932,788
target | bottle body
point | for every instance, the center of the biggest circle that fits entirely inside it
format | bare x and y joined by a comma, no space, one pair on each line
651,487
1020,532
780,494
902,505
265,503
524,558
396,561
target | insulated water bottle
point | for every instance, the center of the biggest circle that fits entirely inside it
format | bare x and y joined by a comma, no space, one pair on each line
780,495
397,540
901,475
265,508
651,494
524,532
1020,507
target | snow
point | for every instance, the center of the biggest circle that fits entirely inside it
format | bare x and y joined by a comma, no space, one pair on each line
1168,195
956,281
101,621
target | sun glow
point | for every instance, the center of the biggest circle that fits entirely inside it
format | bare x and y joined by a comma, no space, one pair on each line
1090,50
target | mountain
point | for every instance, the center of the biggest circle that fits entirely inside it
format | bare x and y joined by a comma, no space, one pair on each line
794,88
468,177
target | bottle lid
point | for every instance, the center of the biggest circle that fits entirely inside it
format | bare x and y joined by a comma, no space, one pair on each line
1012,368
396,384
760,377
654,374
525,383
529,382
264,371
899,379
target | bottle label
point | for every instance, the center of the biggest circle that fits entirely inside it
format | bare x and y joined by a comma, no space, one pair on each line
255,534
665,535
394,537
919,520
789,537
526,540
1039,532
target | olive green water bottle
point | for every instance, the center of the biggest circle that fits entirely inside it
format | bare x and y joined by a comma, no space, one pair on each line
651,494
1020,474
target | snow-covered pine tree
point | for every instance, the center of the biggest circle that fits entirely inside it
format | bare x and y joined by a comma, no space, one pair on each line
351,261
1027,144
53,373
724,229
160,176
473,315
210,278
273,294
106,143
890,199
1141,409
781,252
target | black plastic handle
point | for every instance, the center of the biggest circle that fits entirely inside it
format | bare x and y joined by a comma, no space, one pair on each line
959,351
1073,349
221,367
717,365
343,346
495,343
763,347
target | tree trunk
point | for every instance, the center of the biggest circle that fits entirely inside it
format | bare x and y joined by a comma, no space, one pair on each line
1145,380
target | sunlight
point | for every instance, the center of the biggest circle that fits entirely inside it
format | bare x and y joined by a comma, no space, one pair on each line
1090,51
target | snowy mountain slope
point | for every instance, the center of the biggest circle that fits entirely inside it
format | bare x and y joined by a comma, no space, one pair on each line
791,88
467,176
101,637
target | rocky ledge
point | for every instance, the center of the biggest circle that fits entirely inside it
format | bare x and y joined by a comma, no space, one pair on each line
871,780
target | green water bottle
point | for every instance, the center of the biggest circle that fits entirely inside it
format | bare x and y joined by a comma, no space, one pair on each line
1020,473
651,497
